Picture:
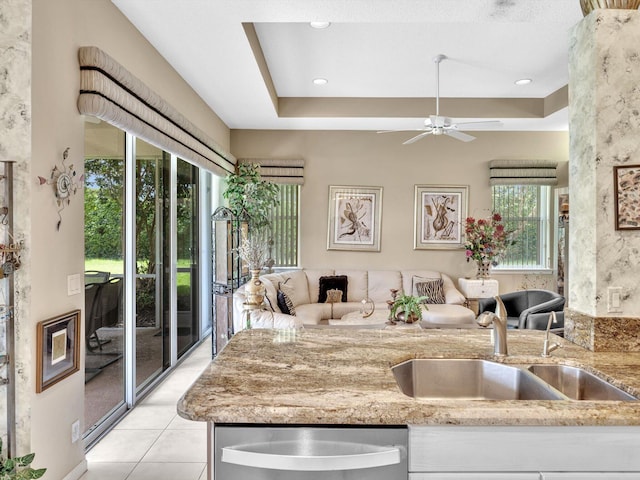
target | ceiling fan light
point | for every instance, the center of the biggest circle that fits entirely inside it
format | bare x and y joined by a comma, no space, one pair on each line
320,81
523,81
319,25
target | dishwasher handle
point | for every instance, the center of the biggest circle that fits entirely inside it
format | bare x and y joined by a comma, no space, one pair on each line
312,455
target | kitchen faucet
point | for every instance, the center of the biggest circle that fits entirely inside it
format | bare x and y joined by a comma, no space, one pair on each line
546,348
499,320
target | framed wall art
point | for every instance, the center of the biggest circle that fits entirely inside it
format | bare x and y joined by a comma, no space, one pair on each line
440,213
354,218
627,197
58,354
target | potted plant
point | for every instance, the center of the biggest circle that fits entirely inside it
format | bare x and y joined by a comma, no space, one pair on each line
251,197
408,308
19,468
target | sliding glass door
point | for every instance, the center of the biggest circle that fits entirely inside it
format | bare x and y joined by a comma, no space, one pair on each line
153,300
187,252
104,330
142,297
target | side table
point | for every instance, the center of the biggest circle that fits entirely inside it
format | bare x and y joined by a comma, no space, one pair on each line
476,288
247,308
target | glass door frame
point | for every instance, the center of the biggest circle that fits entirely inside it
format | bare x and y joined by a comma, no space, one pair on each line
205,179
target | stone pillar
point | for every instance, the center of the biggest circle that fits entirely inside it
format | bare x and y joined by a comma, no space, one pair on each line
604,126
15,145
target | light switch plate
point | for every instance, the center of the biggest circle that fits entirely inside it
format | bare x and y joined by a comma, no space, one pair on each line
74,284
614,300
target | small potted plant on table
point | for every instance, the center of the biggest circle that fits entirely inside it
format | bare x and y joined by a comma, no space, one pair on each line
407,308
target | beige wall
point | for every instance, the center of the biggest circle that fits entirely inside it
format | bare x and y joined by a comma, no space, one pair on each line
59,28
367,158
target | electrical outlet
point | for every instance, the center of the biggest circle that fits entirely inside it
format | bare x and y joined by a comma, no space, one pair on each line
614,299
75,431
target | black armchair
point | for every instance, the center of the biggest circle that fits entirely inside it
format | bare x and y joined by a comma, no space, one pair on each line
528,308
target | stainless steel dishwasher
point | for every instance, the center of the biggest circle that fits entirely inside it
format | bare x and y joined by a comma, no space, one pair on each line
310,453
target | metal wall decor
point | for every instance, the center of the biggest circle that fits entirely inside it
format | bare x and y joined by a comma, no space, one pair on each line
65,183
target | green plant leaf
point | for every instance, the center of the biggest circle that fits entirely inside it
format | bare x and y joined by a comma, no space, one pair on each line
25,460
37,473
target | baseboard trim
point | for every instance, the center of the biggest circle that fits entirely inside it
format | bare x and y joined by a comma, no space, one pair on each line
78,471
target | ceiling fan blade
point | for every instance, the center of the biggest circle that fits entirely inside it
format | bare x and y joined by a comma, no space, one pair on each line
480,124
404,130
418,137
459,135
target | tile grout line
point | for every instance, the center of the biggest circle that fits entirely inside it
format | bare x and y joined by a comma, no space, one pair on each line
177,371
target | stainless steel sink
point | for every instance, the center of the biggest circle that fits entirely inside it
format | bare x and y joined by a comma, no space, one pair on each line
579,384
470,379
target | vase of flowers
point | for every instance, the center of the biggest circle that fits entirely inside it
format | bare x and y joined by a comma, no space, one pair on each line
486,241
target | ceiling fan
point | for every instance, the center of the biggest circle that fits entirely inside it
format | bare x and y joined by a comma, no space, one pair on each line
438,125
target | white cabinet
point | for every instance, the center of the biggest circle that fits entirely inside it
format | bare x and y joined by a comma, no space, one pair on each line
475,476
575,452
473,289
478,288
589,476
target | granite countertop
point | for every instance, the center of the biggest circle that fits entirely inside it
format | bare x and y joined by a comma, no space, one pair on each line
336,376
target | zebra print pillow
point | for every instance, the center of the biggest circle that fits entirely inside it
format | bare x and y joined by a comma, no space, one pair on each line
434,289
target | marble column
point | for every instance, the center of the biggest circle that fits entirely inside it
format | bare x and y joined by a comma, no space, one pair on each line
604,126
15,145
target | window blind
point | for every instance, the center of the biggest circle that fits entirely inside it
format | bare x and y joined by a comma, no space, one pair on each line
279,170
110,92
284,227
523,172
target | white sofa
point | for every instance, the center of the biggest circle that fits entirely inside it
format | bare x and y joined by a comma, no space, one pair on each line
372,284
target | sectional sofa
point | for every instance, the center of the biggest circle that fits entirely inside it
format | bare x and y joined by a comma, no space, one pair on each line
305,287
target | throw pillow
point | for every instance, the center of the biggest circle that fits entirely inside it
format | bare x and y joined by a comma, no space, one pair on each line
415,279
334,296
432,289
336,282
284,298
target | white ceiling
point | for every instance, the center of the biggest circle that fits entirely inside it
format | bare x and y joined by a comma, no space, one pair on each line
373,49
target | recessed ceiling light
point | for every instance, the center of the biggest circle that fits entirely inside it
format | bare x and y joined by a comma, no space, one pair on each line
319,25
523,81
320,81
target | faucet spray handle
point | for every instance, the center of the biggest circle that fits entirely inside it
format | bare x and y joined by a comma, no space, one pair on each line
546,348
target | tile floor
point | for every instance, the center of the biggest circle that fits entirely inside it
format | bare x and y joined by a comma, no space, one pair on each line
152,441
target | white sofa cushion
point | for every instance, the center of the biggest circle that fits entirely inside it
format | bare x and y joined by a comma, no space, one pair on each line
266,319
451,293
448,314
356,284
270,282
340,309
298,286
381,282
313,313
